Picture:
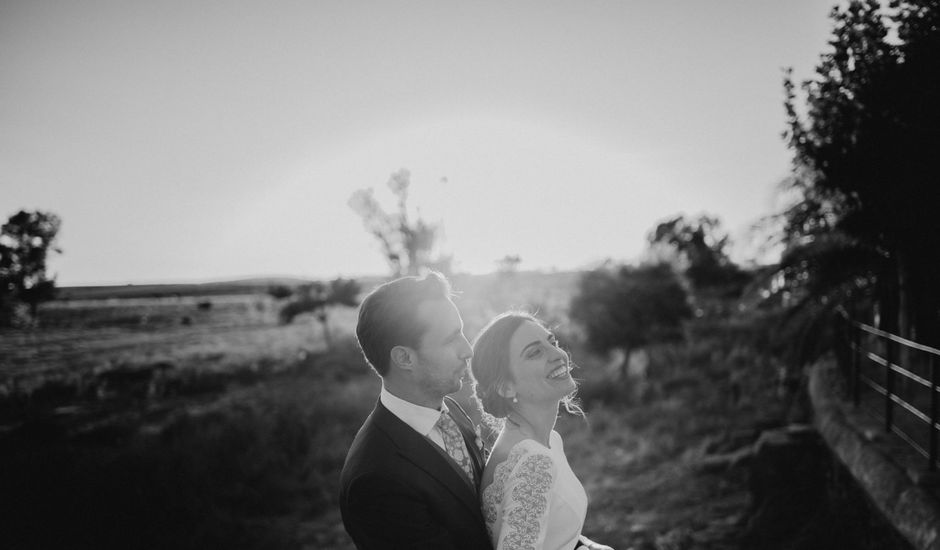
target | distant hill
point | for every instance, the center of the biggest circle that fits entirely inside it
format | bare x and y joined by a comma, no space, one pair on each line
462,282
243,286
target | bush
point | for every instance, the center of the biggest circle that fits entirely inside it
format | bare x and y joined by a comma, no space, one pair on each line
279,292
297,307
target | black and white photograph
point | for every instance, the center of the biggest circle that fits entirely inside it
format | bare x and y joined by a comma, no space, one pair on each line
456,275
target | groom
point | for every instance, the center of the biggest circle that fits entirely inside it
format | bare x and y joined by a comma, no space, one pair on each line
412,473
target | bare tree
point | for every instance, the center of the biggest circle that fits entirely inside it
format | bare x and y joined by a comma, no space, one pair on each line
407,245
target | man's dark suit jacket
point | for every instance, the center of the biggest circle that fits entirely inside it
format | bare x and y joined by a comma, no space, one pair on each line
398,490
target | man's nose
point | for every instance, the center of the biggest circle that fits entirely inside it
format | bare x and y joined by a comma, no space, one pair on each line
466,351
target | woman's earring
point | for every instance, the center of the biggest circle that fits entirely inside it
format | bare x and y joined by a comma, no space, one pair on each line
515,399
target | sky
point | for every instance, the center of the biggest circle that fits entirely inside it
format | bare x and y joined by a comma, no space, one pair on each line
189,141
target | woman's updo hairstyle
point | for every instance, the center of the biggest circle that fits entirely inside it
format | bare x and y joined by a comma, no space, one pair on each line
490,361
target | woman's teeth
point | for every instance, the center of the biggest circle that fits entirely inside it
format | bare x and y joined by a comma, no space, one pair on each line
560,372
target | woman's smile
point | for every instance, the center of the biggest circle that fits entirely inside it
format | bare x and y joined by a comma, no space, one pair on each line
562,371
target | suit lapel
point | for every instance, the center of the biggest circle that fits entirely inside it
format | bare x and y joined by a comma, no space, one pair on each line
421,452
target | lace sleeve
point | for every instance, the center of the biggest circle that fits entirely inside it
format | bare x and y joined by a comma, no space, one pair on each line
526,499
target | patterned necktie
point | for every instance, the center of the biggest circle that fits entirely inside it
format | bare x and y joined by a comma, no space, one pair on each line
454,443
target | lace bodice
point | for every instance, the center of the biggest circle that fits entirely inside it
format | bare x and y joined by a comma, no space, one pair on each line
535,502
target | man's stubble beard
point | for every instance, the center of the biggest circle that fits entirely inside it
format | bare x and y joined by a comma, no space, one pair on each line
433,385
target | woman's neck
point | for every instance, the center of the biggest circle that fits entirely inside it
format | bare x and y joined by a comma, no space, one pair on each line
533,421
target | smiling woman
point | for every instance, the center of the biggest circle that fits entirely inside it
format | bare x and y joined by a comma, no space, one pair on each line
530,496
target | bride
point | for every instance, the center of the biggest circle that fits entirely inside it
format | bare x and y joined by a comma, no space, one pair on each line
531,499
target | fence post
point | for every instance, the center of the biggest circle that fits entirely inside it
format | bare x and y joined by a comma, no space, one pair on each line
856,333
934,411
889,383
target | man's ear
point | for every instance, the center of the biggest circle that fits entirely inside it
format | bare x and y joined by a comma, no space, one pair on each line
403,357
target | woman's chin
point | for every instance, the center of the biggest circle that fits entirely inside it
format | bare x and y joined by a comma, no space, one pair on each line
564,386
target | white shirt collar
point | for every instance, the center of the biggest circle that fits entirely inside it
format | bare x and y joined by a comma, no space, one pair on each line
421,419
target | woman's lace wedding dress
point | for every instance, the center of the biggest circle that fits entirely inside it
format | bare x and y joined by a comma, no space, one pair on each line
535,501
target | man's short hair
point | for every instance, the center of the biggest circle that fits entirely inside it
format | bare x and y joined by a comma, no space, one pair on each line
388,316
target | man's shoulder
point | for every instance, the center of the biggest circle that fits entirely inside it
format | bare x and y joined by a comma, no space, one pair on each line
372,445
374,463
370,439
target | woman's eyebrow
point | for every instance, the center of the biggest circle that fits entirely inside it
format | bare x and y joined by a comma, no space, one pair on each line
535,343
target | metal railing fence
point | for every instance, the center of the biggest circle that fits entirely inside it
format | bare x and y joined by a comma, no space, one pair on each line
903,376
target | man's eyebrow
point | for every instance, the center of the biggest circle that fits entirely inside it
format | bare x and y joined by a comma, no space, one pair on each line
453,335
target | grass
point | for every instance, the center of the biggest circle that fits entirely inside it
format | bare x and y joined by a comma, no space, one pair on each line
237,471
246,451
641,452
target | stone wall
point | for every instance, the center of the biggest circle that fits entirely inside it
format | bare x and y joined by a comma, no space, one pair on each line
803,498
884,469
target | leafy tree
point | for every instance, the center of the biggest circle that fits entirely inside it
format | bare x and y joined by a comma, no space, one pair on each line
699,246
26,241
863,230
508,265
317,297
630,307
407,245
